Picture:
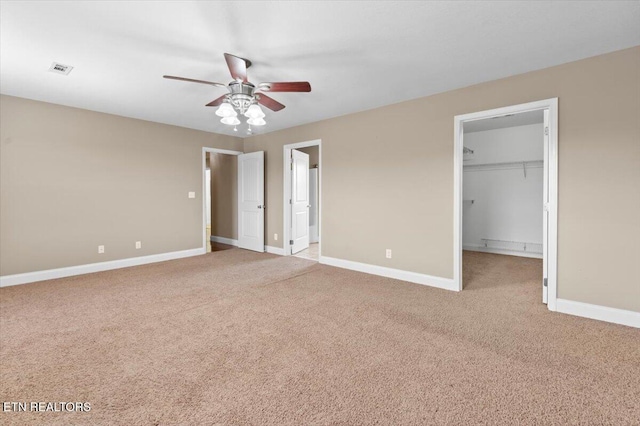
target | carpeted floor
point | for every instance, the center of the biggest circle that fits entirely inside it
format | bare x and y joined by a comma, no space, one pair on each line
237,338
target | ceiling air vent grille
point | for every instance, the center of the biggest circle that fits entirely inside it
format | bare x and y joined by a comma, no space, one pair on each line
60,68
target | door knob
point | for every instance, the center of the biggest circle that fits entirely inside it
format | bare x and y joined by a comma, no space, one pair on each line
309,205
259,207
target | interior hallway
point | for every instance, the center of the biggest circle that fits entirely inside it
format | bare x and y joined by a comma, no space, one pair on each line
311,253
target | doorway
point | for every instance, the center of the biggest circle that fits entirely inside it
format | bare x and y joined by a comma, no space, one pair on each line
219,199
505,190
302,205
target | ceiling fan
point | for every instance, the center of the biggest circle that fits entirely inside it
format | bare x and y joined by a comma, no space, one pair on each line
243,96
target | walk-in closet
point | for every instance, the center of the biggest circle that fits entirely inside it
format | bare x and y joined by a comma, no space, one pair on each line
503,181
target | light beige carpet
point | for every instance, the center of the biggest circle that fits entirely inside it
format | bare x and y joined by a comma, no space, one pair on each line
238,338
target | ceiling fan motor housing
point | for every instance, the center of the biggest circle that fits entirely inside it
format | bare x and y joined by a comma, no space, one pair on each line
241,95
239,88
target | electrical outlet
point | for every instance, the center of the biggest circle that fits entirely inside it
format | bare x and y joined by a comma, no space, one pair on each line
138,244
192,194
275,237
100,249
388,254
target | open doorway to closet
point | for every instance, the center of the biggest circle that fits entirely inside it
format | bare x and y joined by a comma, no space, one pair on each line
302,199
220,199
506,191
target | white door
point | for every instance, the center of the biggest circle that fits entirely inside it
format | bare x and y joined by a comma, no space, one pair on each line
545,208
299,201
251,201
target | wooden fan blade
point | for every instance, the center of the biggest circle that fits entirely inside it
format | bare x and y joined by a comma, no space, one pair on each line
191,80
288,86
217,102
237,66
270,103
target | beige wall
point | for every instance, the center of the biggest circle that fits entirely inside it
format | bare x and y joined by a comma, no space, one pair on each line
224,195
73,179
314,154
387,176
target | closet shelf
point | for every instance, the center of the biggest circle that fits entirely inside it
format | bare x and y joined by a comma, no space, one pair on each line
537,164
521,246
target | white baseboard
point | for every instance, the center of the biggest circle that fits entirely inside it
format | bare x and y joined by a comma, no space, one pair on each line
483,249
597,312
413,277
274,250
223,240
50,274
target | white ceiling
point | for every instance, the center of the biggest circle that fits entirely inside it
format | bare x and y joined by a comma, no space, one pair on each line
511,120
357,55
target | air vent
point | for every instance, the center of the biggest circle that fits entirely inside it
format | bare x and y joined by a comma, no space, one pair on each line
60,68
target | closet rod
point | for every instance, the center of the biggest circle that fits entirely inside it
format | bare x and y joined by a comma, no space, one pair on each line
537,164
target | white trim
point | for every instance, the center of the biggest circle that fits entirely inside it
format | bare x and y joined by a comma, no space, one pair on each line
306,144
204,186
483,249
286,185
597,312
223,240
50,274
552,239
274,250
222,151
458,170
412,277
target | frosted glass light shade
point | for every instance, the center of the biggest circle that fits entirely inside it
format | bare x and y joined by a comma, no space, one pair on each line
226,110
254,111
256,121
232,121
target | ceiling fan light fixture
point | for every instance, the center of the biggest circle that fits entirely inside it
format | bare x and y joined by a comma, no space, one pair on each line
226,110
256,121
232,121
254,111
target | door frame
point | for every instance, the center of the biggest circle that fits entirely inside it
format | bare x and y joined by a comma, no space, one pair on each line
204,186
286,192
552,208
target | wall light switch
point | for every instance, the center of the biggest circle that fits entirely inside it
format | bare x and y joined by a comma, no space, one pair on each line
138,244
275,237
388,254
100,249
192,195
